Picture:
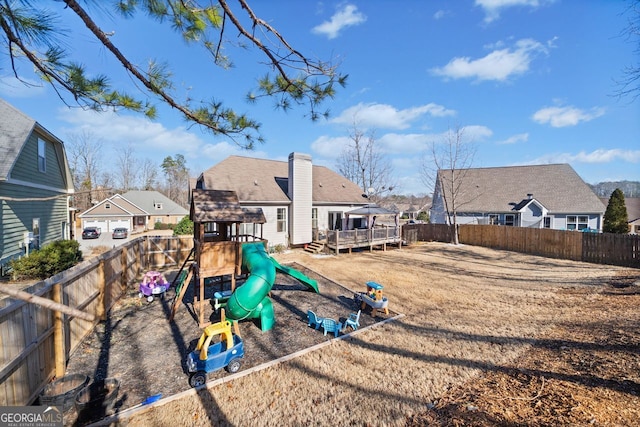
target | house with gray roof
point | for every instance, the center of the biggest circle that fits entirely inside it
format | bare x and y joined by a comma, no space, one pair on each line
539,196
136,211
35,185
299,200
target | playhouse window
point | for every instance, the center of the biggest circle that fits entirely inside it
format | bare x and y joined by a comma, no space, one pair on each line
281,221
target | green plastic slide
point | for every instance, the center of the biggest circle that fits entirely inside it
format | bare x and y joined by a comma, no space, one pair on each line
250,300
308,282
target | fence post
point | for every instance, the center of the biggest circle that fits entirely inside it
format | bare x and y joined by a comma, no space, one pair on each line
58,332
101,312
125,275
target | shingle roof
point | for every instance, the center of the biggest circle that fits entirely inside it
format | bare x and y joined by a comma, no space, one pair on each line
260,180
15,128
494,190
222,206
146,200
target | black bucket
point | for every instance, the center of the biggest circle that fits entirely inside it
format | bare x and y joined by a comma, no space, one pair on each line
63,391
98,397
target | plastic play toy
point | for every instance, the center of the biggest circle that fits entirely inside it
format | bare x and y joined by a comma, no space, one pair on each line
209,357
373,298
153,283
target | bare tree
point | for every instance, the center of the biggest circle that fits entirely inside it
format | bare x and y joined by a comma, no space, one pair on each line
445,168
126,168
177,179
30,32
630,83
148,176
363,163
84,159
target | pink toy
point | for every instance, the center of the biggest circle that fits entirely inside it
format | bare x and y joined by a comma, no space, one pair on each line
153,283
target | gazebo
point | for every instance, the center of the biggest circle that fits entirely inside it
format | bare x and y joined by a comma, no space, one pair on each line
371,212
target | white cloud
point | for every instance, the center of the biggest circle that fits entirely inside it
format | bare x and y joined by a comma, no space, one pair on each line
559,117
383,116
440,14
330,147
596,156
14,88
346,17
476,133
500,65
492,8
150,140
521,137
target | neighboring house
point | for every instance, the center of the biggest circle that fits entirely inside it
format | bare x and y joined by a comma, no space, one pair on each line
299,200
35,185
541,196
134,210
633,212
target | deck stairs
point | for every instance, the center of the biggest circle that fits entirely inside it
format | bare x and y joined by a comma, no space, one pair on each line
314,247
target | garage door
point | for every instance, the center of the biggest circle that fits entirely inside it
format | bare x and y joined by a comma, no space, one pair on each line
119,223
101,224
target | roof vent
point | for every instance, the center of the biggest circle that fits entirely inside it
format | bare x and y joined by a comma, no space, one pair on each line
530,196
255,182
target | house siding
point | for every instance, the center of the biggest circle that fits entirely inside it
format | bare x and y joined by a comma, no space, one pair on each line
26,165
16,218
270,228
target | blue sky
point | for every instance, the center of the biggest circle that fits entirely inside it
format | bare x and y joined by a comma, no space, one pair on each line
530,81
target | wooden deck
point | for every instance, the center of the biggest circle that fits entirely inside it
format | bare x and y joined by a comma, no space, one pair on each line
363,238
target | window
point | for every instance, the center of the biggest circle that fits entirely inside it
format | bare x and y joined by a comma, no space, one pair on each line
42,156
158,219
547,222
494,219
281,221
509,220
314,218
575,222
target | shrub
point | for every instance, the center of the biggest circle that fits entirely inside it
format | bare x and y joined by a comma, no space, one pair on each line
48,261
163,226
184,227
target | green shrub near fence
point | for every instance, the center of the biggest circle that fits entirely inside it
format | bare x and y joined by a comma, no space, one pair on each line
48,261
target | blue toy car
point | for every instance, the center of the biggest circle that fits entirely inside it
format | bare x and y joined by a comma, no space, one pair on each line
209,357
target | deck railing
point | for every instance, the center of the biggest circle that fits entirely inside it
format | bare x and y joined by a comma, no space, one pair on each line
361,238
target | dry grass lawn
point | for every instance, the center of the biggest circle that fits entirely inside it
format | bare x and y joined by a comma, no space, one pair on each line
472,316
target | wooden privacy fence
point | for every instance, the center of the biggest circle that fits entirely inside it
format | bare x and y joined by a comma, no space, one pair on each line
36,342
598,248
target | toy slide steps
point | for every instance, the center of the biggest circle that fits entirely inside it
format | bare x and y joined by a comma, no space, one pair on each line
310,283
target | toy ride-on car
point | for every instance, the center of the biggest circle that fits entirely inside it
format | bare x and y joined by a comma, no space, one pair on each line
153,284
209,357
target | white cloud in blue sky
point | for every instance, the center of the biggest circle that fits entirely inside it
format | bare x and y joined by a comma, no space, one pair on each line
383,116
500,64
346,16
515,139
492,8
559,117
597,156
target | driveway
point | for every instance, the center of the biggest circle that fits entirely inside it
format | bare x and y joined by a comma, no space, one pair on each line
105,239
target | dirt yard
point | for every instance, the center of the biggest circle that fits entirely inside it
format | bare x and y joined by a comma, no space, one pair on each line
488,338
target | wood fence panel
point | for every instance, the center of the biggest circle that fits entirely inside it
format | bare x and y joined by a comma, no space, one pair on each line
608,248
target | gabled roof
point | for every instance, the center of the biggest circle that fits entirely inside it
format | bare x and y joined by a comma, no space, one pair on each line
495,190
526,202
371,210
117,206
15,128
148,201
222,206
260,180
